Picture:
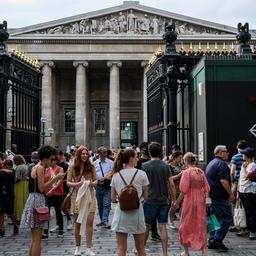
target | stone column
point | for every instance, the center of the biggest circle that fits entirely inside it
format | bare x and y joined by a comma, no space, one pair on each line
144,64
82,103
47,99
114,104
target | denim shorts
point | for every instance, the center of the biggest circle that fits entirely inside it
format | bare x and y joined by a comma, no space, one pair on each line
156,211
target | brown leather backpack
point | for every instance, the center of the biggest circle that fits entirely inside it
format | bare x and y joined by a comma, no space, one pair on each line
128,198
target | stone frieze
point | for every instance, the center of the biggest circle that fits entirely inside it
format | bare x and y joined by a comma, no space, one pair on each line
126,22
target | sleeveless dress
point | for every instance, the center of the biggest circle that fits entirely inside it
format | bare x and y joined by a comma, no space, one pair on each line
35,199
20,190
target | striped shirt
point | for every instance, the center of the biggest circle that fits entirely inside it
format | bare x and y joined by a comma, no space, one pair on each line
238,161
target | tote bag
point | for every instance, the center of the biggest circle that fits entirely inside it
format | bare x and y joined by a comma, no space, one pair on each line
239,215
212,224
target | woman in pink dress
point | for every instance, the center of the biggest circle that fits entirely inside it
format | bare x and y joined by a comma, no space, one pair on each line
193,188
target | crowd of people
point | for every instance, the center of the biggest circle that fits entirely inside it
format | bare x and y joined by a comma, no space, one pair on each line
149,191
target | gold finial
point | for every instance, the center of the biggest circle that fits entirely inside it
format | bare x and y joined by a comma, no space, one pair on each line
191,47
199,46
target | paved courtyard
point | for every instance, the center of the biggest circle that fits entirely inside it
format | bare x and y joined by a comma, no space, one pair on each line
105,244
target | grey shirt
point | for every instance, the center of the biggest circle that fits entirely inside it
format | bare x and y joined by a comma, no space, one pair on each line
21,172
158,173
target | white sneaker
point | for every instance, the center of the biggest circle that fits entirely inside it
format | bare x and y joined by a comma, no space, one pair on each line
172,225
89,252
69,225
78,251
55,229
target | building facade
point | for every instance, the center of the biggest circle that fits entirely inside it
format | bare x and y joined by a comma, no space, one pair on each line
94,64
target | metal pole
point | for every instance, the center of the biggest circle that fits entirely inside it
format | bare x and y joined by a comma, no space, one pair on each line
43,133
183,117
173,87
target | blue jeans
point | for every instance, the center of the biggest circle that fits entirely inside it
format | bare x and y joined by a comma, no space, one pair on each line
223,212
103,196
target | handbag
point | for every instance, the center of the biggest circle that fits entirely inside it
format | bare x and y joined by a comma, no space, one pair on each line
66,204
41,214
212,224
252,176
239,215
106,181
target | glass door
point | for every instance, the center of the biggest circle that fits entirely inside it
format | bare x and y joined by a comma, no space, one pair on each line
129,133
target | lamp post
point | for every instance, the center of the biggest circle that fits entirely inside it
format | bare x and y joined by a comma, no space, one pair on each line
50,130
171,56
43,121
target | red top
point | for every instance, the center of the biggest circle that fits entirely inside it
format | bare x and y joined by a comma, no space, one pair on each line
57,189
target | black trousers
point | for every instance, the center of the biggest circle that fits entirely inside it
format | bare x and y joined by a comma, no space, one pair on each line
56,202
249,203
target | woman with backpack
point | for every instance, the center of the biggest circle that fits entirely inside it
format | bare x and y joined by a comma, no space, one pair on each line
129,186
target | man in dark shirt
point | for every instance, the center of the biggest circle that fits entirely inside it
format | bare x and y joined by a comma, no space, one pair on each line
7,195
218,176
144,157
157,204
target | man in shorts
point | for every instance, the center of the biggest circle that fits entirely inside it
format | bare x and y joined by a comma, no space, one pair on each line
160,183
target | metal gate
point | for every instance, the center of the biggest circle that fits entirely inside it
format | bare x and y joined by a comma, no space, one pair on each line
20,99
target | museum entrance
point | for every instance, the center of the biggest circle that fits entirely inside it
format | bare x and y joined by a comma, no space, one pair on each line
129,133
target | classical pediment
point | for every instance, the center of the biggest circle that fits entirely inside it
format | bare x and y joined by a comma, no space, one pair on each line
130,18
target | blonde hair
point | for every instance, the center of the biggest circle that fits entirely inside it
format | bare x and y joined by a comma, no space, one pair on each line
190,158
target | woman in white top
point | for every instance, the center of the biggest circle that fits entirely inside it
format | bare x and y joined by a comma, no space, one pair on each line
132,221
247,190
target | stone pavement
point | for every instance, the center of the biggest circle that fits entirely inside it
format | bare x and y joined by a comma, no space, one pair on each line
105,244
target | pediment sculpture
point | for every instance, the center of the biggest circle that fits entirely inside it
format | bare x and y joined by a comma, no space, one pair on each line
127,22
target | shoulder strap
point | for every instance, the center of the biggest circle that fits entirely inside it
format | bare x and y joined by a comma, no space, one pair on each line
101,169
131,179
35,181
122,178
134,176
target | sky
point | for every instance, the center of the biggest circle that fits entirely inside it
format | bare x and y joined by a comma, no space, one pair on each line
20,13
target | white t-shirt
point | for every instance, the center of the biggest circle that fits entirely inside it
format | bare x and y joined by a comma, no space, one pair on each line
139,182
246,186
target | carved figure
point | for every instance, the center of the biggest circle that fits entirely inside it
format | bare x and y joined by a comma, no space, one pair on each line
145,24
163,24
155,25
83,26
122,22
114,24
107,24
182,28
56,30
101,27
131,21
75,28
94,26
